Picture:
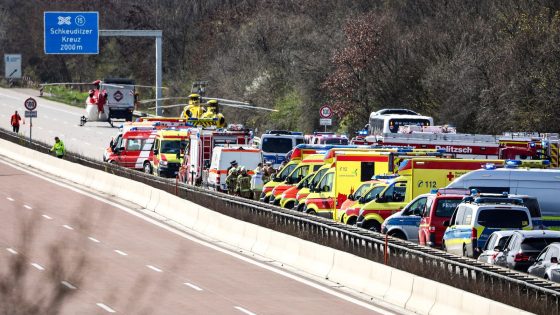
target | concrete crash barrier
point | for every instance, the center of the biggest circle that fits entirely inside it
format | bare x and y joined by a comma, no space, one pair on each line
400,288
419,295
423,297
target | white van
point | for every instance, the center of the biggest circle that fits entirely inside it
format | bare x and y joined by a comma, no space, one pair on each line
544,184
249,157
276,143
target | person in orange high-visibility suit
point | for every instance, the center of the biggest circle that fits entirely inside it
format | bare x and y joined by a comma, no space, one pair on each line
97,96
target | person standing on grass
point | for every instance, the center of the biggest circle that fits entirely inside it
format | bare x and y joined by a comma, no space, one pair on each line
14,121
58,148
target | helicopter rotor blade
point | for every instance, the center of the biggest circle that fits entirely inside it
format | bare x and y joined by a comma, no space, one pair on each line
224,104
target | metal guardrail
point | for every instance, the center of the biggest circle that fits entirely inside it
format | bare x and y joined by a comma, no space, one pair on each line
496,283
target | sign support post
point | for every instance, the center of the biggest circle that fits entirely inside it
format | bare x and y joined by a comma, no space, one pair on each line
30,104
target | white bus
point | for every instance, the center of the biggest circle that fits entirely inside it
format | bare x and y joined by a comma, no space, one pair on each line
389,120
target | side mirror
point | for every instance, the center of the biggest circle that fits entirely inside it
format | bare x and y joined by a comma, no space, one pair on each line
497,249
288,180
554,260
446,223
326,188
311,188
351,197
156,151
379,198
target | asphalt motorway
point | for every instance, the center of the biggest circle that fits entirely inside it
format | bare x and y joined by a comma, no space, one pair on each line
111,258
56,119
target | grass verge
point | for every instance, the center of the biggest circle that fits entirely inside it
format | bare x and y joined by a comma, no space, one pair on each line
65,95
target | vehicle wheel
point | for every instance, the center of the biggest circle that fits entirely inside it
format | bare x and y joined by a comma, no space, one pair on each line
312,212
300,207
112,162
276,202
398,234
147,168
443,248
289,205
351,220
465,253
266,199
373,226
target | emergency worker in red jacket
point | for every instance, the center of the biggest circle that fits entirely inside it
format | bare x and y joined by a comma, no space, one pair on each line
97,96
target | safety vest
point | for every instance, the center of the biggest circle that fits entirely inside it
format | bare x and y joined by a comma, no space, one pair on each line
58,148
244,183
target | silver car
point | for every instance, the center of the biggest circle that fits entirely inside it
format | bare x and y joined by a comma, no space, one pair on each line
404,224
546,265
493,247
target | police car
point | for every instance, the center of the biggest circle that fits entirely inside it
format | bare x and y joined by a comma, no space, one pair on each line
477,217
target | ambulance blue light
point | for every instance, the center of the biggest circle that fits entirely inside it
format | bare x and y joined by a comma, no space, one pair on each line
513,163
546,162
490,166
433,191
532,144
133,129
474,192
363,132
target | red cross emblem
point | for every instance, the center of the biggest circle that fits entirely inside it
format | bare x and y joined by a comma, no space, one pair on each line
450,176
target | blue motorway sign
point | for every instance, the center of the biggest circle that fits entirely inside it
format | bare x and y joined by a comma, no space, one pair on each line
71,32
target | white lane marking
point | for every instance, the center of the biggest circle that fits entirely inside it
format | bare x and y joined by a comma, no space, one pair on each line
154,268
68,285
27,207
11,250
66,226
105,307
241,309
10,198
120,252
47,217
193,286
320,287
37,266
93,239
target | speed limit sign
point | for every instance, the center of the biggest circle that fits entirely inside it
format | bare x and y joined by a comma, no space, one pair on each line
30,103
326,111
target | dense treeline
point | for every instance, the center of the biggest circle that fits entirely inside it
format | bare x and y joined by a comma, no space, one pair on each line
484,66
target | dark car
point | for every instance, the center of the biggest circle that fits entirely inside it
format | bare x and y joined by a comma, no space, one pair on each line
523,247
546,266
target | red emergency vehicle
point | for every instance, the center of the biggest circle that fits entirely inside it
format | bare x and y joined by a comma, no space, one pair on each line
132,149
201,143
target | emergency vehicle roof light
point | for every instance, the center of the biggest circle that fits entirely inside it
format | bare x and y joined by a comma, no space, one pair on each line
513,163
384,176
296,153
434,191
362,132
490,166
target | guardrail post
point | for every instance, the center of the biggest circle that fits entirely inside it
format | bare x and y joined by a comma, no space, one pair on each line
385,252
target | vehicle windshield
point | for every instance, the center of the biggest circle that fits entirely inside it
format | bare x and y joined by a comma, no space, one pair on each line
503,219
317,177
446,207
277,145
395,123
298,173
538,244
370,195
361,190
286,171
173,146
533,205
341,141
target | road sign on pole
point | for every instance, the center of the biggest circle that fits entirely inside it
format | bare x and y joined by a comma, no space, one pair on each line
12,66
71,32
30,104
326,111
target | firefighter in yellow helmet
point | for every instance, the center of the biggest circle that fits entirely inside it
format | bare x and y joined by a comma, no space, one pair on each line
212,111
194,109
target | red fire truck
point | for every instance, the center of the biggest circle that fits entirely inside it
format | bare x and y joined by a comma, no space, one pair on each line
201,142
